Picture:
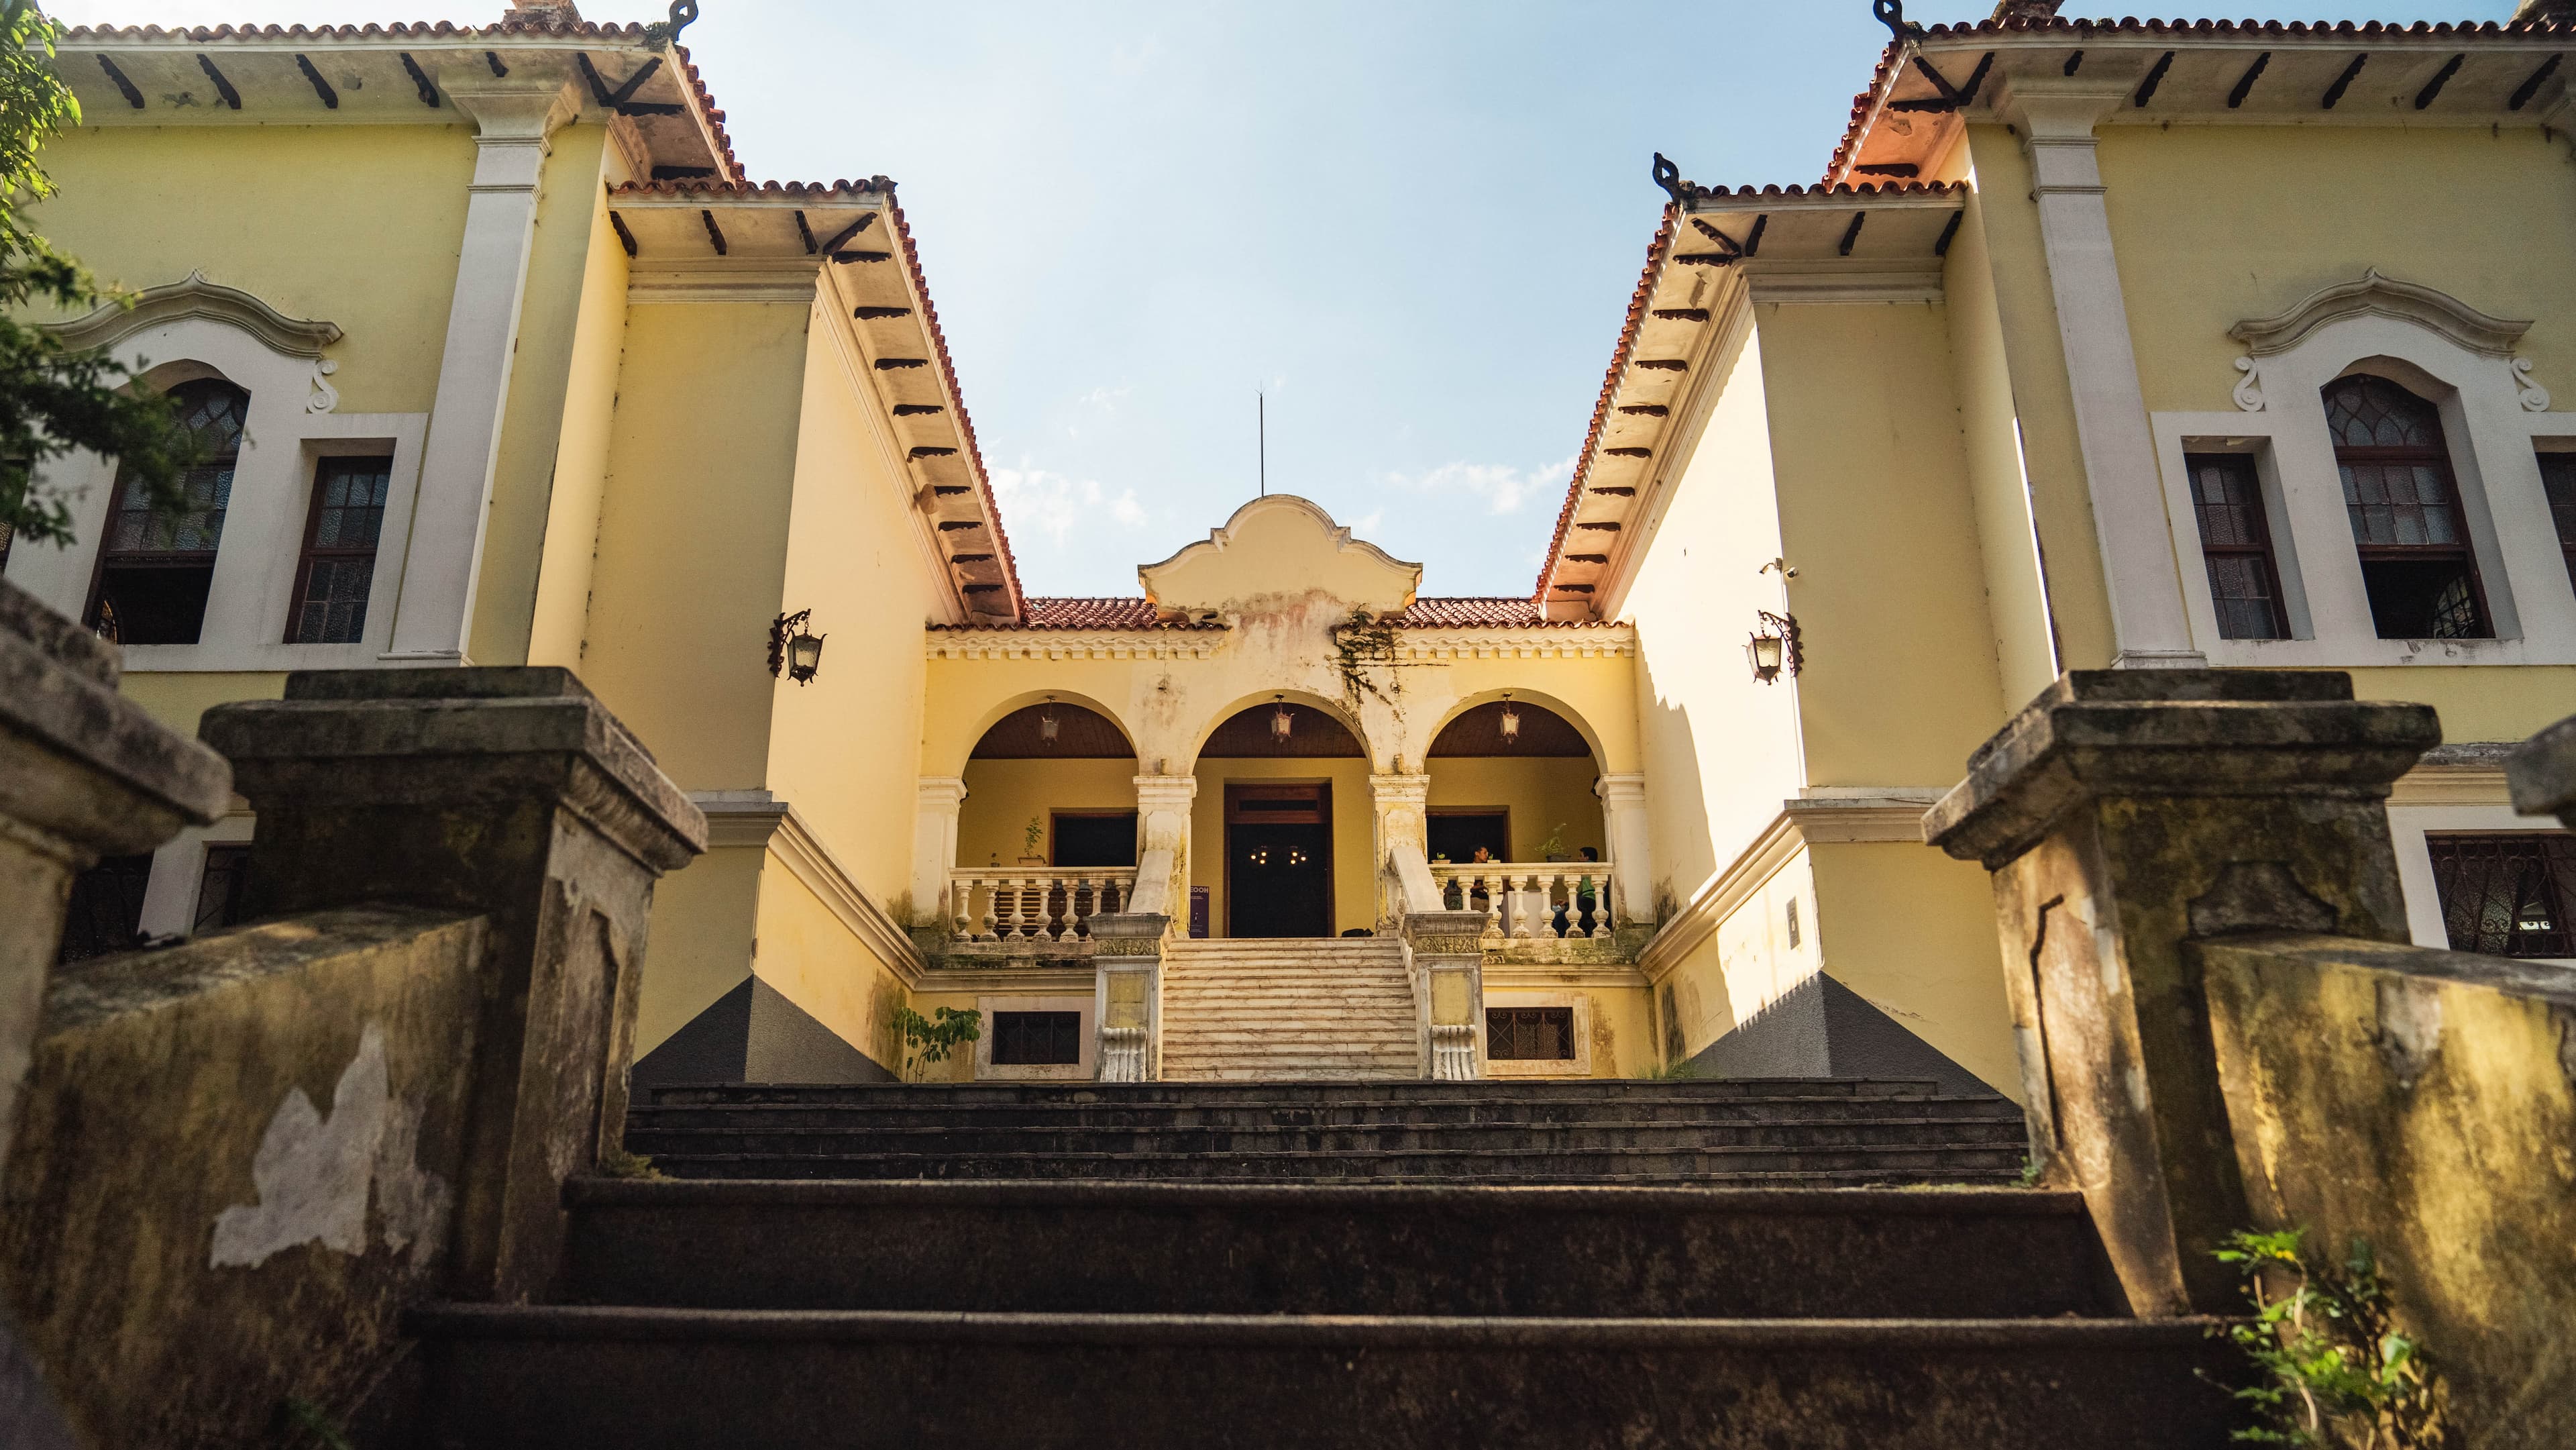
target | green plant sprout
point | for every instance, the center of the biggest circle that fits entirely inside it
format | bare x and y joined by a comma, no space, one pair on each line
2331,1368
929,1040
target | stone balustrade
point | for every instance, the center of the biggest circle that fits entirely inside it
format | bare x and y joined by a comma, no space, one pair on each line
1032,904
1523,902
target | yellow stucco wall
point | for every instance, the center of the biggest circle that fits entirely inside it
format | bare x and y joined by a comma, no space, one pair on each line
1901,680
357,225
1718,749
1913,933
1540,794
560,620
700,471
1746,963
1002,796
176,698
845,748
812,958
704,919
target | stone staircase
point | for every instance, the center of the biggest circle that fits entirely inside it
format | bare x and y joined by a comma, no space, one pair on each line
1268,1010
1793,1132
1546,1309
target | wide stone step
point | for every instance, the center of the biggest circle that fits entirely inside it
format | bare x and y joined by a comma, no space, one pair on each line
1333,1249
1285,1095
933,1109
1386,1138
1928,1161
506,1377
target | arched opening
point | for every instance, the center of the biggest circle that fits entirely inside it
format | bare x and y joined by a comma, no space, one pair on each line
1046,837
1283,824
156,562
1512,787
2417,565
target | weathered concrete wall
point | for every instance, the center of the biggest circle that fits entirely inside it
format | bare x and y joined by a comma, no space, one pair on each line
236,1166
2424,1101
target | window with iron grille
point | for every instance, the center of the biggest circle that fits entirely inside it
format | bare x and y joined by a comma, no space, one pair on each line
2507,895
2236,544
1529,1034
106,910
154,569
1037,1039
339,559
2416,563
2557,480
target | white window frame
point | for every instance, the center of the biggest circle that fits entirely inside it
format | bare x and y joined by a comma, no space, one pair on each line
2407,828
2494,439
286,434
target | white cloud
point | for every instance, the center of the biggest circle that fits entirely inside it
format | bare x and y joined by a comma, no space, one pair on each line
1035,500
1502,487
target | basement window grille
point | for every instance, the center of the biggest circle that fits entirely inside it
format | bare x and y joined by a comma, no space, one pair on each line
2507,895
1529,1034
1037,1039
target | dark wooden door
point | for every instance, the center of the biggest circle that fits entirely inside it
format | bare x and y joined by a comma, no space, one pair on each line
1279,860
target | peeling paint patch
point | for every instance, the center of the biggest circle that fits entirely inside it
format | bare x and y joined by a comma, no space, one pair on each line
313,1174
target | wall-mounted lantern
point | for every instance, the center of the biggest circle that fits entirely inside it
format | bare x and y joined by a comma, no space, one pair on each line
1047,725
1774,646
1511,721
791,648
1280,720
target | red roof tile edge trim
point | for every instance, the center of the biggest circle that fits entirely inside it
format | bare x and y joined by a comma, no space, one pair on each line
1093,613
1637,300
957,392
700,186
1890,60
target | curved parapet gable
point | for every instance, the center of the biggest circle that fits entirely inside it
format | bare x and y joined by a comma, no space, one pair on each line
1279,545
194,296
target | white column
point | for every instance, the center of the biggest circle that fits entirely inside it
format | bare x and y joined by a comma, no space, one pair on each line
1163,845
435,608
2148,625
1623,830
1403,841
934,844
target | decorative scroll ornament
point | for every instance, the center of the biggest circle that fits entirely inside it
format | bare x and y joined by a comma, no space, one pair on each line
2249,388
195,297
2380,296
325,397
2535,398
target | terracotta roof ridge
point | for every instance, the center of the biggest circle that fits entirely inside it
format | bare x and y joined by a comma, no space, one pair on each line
2137,25
1628,330
1891,186
957,393
610,29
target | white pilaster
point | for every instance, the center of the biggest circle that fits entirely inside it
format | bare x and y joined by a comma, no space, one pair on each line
1623,829
1163,845
2149,627
1403,840
934,844
441,567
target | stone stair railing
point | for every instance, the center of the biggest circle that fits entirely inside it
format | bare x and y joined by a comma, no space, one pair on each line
2223,1023
1524,901
1033,904
1444,956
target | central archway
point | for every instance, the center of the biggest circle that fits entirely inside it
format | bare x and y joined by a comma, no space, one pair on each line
1282,825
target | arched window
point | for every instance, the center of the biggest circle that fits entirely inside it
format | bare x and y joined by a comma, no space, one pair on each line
154,569
2415,558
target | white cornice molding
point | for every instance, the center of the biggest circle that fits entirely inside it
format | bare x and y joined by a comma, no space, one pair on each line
1543,976
1718,898
1074,644
716,279
1834,815
195,297
1844,279
2380,296
1604,641
2467,774
756,818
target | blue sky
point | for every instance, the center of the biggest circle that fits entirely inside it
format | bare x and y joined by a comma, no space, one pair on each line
1413,225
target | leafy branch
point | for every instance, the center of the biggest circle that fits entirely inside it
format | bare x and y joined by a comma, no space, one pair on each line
2332,1368
929,1040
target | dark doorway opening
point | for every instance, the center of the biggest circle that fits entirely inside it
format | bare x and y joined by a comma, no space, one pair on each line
1279,860
1458,835
1095,838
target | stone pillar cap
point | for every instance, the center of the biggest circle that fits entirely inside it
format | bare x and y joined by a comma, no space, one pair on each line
79,762
2174,733
2542,773
431,737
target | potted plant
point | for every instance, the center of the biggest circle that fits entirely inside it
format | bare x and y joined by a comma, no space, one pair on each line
1030,839
1553,848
